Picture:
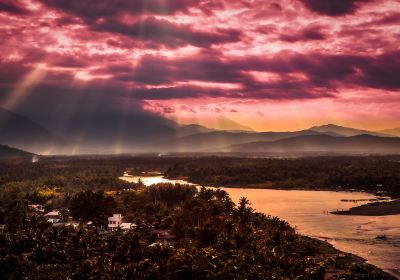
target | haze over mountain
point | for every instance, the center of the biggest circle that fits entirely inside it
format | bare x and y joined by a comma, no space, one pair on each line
336,130
190,129
224,123
359,144
393,131
139,131
219,141
19,131
92,132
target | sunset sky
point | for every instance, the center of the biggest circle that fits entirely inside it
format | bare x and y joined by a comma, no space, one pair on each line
265,65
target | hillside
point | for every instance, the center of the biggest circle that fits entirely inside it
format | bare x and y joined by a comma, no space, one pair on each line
221,140
336,130
190,129
393,131
91,133
7,152
23,133
144,132
360,144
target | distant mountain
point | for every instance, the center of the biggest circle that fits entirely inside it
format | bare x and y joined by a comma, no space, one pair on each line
218,122
226,124
111,133
336,130
359,144
7,152
393,131
23,133
190,129
219,141
136,131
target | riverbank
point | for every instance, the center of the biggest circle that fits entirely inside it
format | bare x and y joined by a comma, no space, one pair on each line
343,262
381,195
373,209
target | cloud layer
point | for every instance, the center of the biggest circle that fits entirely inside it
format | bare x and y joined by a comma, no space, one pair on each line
178,56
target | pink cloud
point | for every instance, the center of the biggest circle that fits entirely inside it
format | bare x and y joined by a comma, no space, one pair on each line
172,52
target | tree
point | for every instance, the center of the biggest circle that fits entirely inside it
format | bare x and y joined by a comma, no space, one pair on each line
92,206
15,215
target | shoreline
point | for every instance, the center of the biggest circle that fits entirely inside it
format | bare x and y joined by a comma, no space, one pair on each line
385,208
260,186
349,259
270,186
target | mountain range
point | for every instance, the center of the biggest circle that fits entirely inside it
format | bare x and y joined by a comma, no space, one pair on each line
145,132
358,144
336,130
393,132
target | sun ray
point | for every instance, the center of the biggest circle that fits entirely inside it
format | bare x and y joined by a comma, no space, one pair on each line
25,86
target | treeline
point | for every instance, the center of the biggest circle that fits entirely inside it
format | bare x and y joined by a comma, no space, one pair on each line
214,239
360,173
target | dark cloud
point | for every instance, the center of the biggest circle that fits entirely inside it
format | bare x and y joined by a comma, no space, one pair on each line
321,75
333,7
307,34
382,72
163,32
296,76
67,61
105,16
204,67
13,7
276,6
92,10
177,92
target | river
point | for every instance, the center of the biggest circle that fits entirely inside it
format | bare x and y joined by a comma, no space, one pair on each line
308,211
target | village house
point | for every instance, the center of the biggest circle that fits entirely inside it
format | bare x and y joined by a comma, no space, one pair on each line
53,217
127,226
115,223
35,208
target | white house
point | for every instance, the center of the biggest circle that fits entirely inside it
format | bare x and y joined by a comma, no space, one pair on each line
114,222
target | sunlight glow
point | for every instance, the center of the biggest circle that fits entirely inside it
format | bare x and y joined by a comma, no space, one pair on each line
25,86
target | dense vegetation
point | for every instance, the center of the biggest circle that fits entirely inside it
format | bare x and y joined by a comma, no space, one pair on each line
360,173
212,237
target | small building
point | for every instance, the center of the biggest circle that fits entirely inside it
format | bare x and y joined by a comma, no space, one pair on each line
53,217
36,208
127,226
114,222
